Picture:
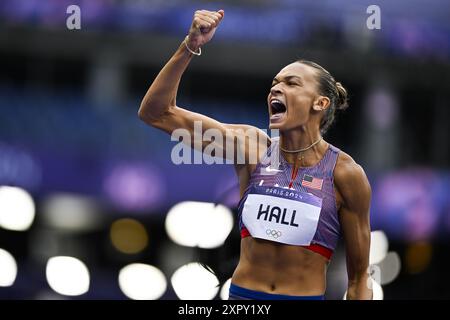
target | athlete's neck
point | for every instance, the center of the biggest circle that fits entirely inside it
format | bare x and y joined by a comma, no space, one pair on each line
300,139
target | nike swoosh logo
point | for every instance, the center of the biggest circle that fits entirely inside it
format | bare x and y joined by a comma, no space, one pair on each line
269,169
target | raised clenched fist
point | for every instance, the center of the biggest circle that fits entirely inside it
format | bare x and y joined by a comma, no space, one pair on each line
203,27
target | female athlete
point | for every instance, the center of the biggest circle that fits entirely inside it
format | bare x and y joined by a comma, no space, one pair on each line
292,215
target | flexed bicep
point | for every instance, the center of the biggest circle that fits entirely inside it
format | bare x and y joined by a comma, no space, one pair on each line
237,143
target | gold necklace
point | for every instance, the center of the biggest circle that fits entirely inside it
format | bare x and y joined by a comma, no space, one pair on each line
302,150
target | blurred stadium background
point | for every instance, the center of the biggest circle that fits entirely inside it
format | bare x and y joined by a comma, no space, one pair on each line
91,206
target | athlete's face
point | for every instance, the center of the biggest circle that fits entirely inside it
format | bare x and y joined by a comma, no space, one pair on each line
292,97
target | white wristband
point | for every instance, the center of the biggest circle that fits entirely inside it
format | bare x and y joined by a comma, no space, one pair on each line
199,53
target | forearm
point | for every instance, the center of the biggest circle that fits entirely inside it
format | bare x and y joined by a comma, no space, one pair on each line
163,91
160,98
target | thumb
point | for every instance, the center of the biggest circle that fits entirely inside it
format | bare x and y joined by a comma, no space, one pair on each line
221,12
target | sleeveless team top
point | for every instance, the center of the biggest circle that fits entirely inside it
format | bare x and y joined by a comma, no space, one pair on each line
292,206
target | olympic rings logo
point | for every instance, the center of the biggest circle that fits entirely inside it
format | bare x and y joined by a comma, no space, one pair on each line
273,233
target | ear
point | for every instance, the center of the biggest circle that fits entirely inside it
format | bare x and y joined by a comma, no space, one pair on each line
321,103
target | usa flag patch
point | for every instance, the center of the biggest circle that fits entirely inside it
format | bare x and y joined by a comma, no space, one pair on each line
311,182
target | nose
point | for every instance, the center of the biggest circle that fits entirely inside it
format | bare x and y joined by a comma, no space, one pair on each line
275,89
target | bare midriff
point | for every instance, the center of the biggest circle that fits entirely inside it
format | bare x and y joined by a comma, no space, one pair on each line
275,268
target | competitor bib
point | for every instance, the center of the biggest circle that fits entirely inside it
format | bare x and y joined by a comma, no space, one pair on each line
281,215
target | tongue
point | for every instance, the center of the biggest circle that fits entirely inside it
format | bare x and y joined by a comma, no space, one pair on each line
277,116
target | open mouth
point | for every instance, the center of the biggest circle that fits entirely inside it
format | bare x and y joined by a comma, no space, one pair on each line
277,109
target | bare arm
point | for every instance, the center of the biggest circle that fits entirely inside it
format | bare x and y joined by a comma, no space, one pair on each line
158,107
355,191
159,102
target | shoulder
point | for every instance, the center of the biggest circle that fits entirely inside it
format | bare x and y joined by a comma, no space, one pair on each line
347,170
256,142
351,181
